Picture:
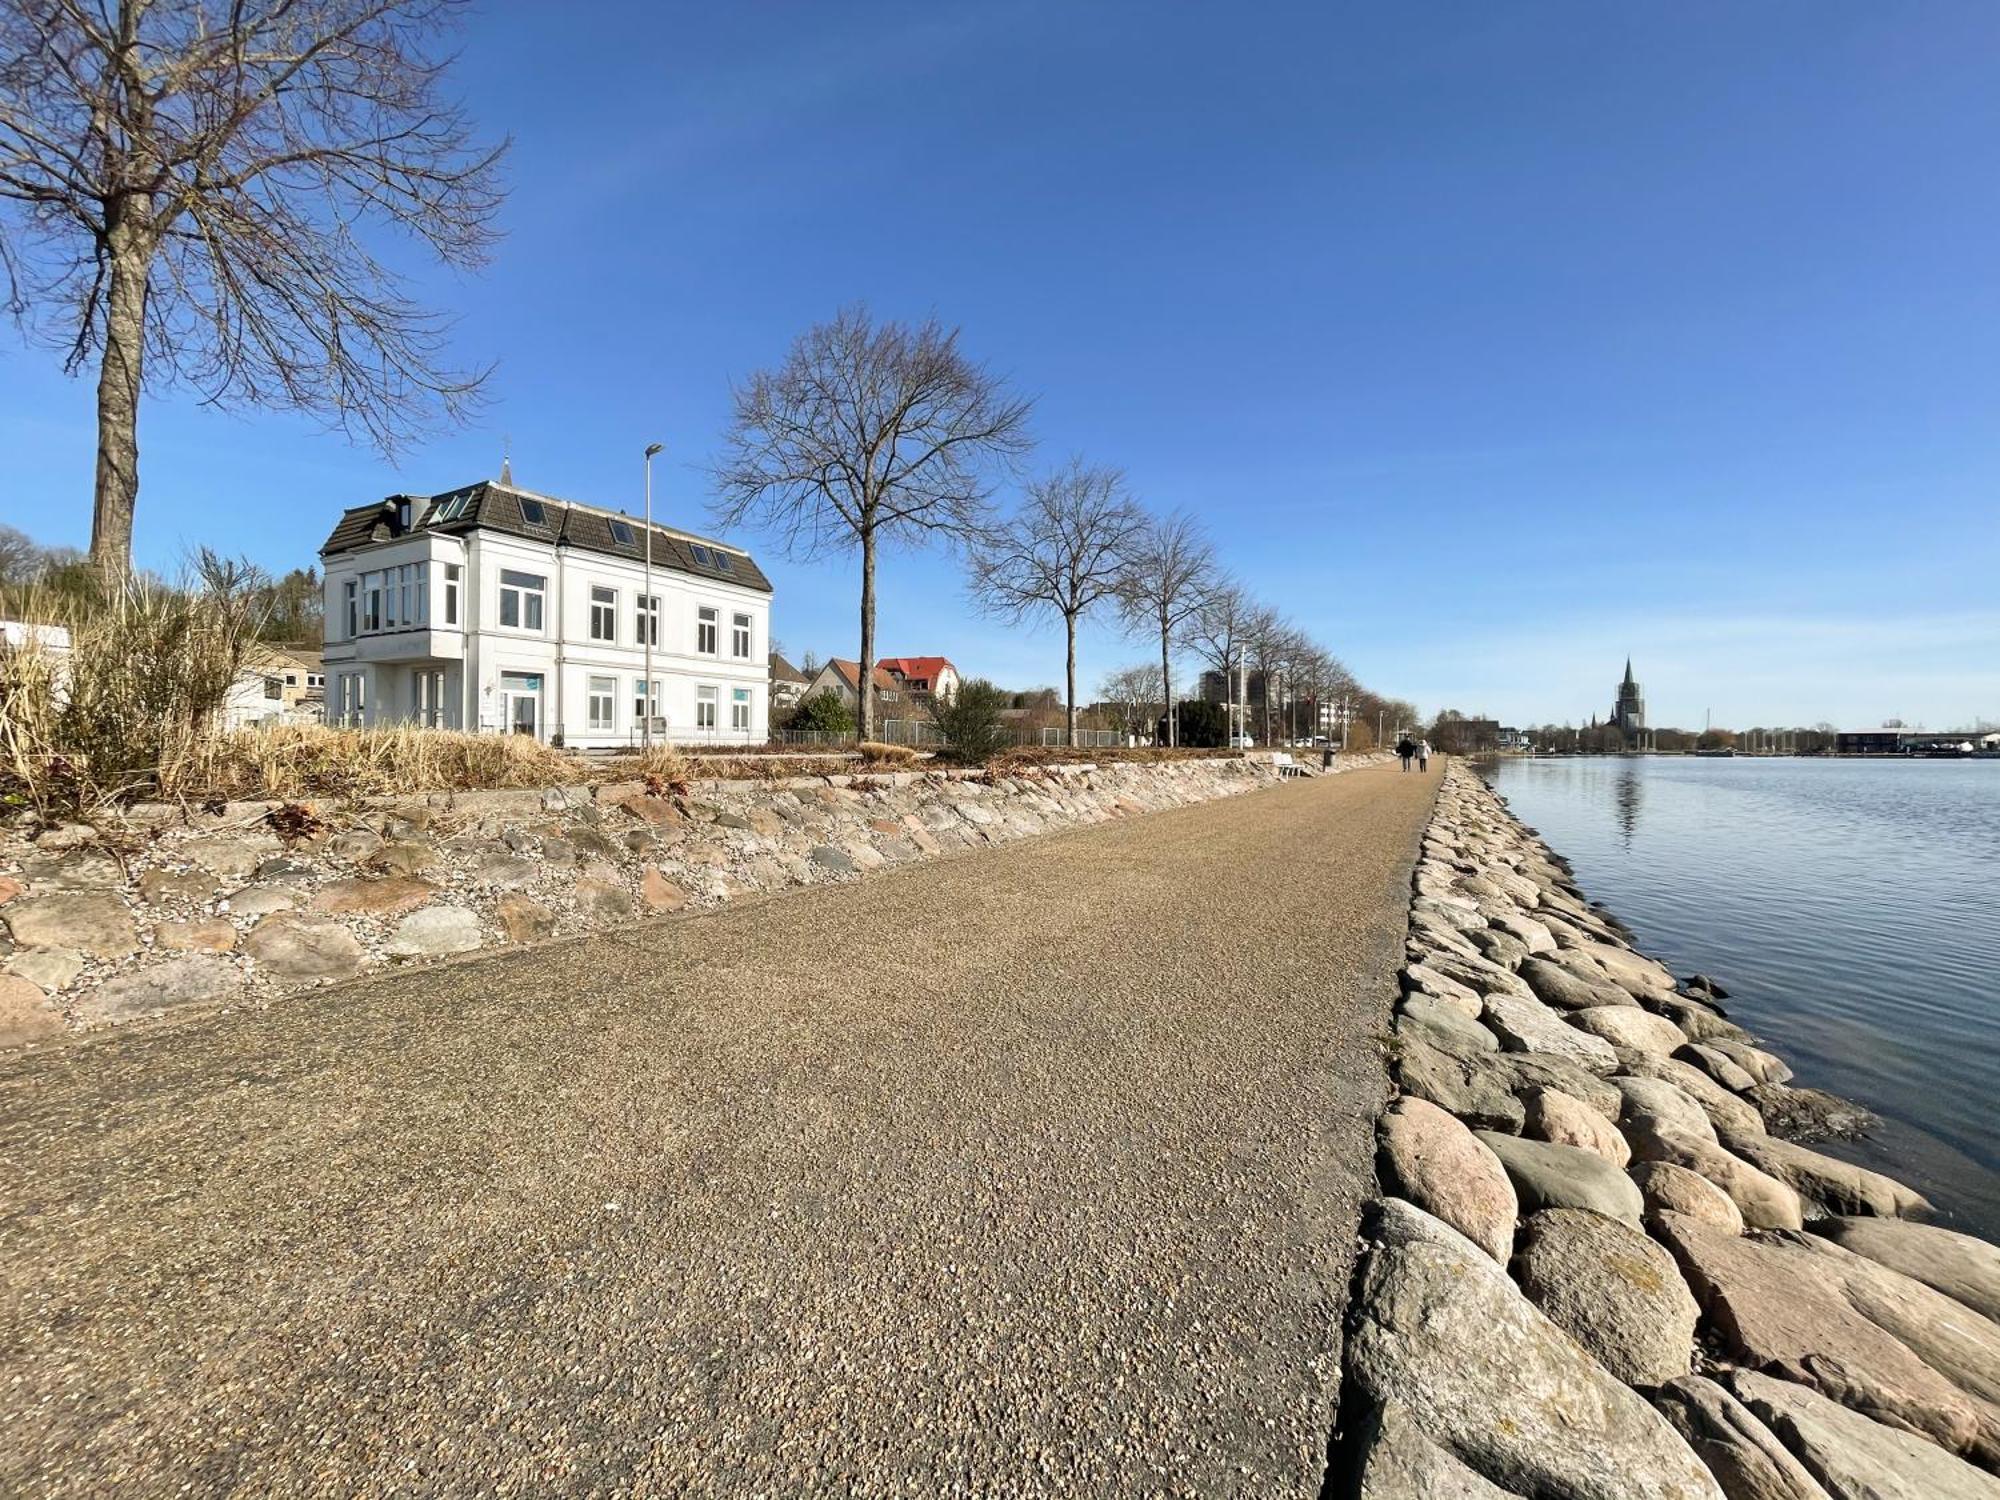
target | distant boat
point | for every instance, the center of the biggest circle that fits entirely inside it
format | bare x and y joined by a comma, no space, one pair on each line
1715,752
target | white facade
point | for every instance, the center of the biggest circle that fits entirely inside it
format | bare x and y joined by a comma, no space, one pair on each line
491,631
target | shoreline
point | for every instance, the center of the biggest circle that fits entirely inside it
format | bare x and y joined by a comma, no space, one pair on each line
1604,1265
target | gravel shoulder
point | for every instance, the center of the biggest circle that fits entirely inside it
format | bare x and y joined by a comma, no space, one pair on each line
1036,1171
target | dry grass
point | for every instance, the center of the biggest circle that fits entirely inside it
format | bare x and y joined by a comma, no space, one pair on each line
1027,757
290,762
131,709
877,754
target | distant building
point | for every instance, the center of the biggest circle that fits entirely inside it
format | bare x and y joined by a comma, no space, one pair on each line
1628,714
922,674
277,685
788,684
1886,740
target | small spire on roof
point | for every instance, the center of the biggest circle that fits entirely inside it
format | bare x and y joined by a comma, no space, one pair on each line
506,460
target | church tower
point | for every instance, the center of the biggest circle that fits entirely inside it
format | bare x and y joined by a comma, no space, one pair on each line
1630,712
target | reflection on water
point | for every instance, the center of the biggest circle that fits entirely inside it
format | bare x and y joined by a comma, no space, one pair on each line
1629,798
1852,907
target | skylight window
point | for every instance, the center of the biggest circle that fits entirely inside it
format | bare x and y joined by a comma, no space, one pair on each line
621,532
703,556
534,513
725,562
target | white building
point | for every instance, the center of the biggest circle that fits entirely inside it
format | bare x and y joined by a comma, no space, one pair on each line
495,608
277,685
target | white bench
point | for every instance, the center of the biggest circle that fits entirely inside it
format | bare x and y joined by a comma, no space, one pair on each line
1289,767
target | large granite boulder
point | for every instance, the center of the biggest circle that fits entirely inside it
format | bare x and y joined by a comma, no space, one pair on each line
1717,1065
1551,1176
1441,1330
1765,1202
1479,1093
1398,1462
1539,1070
1670,1189
1721,1106
1444,1026
1802,1114
1555,985
1436,1163
1852,1457
1836,1187
1746,1457
1772,1312
1422,978
1962,1267
1611,1289
1655,1104
1530,1026
1564,1120
1629,1026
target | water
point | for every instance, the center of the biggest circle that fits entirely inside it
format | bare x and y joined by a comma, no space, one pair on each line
1852,909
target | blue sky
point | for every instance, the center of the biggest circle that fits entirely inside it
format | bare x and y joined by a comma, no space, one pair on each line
1491,342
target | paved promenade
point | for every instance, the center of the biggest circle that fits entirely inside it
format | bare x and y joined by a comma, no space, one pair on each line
1032,1172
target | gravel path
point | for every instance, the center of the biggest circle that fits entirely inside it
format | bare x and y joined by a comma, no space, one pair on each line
1036,1171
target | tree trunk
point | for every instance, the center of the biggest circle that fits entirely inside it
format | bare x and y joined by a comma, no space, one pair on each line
1069,685
865,686
118,379
1167,689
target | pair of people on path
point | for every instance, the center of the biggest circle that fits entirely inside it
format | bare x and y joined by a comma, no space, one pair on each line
1417,750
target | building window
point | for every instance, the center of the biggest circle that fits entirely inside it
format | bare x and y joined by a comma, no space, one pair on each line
371,601
421,578
353,698
273,688
353,609
603,703
642,709
521,600
451,593
647,619
706,628
705,699
603,613
739,637
739,709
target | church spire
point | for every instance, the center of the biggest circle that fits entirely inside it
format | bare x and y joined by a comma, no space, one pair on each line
1628,672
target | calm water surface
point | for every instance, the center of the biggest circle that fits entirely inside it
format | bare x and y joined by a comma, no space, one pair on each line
1852,909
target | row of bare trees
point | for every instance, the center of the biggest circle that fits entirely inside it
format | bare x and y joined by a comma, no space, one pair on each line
871,434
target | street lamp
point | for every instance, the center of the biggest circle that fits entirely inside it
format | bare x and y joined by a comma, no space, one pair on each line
652,613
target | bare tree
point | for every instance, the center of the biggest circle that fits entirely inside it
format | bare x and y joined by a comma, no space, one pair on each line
1215,633
1171,569
193,185
1062,553
1138,694
868,433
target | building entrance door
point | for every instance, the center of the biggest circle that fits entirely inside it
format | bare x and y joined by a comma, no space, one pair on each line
521,703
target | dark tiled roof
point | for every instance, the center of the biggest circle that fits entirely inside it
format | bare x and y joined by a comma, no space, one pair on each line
490,506
784,671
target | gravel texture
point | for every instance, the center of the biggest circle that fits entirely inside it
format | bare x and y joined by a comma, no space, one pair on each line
1035,1172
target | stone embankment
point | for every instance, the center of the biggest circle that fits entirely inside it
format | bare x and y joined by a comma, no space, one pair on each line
1603,1271
164,908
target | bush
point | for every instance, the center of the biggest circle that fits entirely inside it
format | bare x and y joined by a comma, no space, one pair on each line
824,711
1204,726
969,720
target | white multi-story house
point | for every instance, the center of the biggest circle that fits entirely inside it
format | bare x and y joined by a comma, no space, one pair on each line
494,608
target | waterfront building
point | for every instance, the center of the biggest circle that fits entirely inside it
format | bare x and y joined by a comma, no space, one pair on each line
493,608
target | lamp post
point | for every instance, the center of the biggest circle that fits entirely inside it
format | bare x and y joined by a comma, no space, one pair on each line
652,614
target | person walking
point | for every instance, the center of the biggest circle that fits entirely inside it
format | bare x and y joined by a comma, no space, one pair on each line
1406,748
1423,755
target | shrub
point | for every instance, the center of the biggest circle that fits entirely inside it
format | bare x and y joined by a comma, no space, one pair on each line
889,755
1203,725
824,711
133,707
969,720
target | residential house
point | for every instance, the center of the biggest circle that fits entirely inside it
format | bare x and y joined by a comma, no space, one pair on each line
497,609
276,685
928,675
843,679
788,685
